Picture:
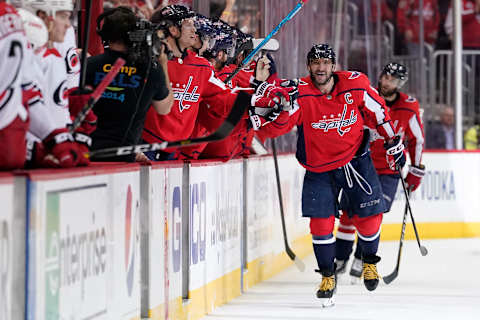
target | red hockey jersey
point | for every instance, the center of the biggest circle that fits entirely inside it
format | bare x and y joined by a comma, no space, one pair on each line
208,120
330,126
405,115
193,80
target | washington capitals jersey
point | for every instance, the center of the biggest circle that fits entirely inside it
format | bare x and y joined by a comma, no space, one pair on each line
12,63
331,126
208,121
405,115
192,79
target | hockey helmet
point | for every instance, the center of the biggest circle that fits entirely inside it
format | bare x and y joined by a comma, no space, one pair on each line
396,70
49,6
321,51
35,29
174,13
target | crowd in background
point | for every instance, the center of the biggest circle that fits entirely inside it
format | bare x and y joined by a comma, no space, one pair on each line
246,17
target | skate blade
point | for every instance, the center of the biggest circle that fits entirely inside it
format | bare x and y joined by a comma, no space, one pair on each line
355,280
327,302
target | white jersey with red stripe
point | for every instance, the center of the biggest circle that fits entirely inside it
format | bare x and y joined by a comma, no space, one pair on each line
405,114
56,85
12,64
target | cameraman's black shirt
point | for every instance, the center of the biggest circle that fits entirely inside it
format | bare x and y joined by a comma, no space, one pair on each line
123,106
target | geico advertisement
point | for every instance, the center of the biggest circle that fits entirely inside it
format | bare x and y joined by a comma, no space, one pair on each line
6,199
448,191
76,251
216,207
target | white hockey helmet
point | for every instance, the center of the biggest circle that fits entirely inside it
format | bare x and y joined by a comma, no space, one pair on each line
35,29
49,6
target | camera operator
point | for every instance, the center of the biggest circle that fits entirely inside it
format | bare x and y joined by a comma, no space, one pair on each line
141,82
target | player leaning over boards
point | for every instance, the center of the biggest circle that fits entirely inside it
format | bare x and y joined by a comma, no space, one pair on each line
404,111
330,113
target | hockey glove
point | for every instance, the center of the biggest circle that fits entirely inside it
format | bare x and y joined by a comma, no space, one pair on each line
292,88
257,121
84,143
414,176
76,102
394,153
267,95
61,145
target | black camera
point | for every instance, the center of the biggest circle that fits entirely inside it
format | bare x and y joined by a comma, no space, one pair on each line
144,41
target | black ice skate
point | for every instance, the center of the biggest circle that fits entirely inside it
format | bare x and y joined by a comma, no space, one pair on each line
370,273
327,288
341,266
356,271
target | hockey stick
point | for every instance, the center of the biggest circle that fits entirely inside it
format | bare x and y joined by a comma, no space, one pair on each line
298,263
423,250
392,276
388,279
235,115
224,130
97,93
86,38
289,16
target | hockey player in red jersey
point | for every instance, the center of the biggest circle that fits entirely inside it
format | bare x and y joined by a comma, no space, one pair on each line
330,113
193,80
404,111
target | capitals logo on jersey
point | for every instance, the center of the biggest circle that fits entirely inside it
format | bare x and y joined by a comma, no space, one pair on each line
184,95
340,123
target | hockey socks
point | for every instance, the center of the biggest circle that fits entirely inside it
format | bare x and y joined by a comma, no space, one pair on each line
324,249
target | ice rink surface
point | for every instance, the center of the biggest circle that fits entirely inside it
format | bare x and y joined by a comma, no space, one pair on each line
445,284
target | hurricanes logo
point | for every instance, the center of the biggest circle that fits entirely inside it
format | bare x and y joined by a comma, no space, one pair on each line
60,95
183,95
340,123
72,61
130,241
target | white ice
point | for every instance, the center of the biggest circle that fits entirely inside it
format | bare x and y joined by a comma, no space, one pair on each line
445,284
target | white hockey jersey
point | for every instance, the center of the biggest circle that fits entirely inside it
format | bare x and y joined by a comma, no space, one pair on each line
12,63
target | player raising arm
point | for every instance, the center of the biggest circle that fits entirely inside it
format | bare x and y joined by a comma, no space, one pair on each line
331,111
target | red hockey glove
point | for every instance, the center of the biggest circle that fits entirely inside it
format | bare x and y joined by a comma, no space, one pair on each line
414,176
395,156
84,143
76,102
61,145
257,121
268,95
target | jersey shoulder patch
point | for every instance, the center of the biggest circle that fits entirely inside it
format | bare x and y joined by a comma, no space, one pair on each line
410,99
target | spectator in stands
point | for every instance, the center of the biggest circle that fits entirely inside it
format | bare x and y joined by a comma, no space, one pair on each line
472,136
441,134
408,22
470,24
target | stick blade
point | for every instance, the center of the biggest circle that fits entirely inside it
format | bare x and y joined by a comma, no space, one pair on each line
423,251
392,276
299,264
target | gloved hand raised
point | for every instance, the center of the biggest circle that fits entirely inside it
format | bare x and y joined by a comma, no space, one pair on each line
394,153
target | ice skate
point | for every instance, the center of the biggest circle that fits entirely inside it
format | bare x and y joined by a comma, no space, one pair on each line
356,271
327,288
341,267
370,273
